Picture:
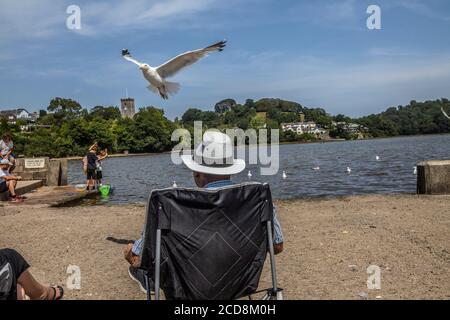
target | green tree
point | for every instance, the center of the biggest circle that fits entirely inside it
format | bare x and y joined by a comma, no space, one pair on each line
107,113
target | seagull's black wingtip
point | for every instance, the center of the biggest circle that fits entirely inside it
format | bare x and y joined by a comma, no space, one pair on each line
125,52
219,45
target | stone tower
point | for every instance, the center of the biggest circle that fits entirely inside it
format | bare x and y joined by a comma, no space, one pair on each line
301,117
127,107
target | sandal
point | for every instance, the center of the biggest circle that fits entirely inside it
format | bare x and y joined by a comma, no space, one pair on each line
61,292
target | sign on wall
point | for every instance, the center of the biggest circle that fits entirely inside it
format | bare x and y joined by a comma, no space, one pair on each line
35,163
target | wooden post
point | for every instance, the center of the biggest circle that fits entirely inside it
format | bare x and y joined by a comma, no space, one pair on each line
433,177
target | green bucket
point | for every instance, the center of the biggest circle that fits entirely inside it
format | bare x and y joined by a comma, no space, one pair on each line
104,189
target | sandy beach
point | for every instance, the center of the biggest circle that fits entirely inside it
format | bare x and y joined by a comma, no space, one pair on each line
329,243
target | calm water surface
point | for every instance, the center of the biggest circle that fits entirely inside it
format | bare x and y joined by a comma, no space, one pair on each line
134,177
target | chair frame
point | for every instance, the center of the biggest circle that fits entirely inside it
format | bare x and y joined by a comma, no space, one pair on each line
273,293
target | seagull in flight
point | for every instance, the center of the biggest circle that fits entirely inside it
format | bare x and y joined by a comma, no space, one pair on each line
157,76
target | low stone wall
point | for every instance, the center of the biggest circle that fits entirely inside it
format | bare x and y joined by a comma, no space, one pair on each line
52,172
433,177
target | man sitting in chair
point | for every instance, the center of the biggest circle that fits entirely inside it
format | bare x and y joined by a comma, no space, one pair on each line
208,174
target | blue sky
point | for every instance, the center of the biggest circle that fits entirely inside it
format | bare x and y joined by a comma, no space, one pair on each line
319,53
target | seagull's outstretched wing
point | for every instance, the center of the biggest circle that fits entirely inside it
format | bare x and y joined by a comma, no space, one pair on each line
445,114
181,61
127,56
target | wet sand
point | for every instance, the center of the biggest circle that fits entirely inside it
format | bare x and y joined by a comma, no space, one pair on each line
329,243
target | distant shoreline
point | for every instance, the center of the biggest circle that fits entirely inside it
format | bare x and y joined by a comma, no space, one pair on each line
122,155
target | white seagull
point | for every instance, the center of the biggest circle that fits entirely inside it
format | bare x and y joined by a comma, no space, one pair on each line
377,158
249,175
445,114
349,170
157,76
284,175
414,170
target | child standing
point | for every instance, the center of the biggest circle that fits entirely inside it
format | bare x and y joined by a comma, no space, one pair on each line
99,170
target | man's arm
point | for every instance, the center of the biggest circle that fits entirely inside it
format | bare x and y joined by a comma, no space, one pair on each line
6,156
85,163
278,234
93,145
10,178
101,158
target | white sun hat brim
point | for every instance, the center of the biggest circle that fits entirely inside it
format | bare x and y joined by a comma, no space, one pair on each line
235,168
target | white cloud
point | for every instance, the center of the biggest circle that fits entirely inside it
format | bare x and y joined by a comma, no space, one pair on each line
355,88
30,18
425,8
33,18
390,52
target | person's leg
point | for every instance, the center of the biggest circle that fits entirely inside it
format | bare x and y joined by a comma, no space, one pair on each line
34,289
12,187
90,179
13,163
99,178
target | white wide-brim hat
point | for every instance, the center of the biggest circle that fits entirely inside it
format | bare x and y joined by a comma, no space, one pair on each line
6,161
214,156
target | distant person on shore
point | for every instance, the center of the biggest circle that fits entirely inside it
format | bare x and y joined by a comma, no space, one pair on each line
8,181
7,147
17,283
208,177
90,165
99,169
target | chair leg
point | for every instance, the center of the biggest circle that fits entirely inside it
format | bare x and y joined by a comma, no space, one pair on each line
147,286
272,257
157,263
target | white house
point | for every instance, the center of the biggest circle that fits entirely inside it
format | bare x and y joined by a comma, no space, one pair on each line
303,127
20,114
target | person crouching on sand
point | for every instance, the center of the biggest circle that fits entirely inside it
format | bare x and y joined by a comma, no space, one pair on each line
8,181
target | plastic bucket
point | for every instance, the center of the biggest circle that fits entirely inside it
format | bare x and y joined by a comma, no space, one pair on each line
104,189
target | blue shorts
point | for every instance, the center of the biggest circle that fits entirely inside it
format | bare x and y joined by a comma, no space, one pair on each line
3,186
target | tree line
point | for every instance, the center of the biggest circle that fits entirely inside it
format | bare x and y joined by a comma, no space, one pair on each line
65,128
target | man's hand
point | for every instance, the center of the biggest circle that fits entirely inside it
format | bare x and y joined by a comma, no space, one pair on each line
278,248
132,259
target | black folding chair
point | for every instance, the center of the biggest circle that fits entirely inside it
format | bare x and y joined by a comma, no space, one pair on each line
209,244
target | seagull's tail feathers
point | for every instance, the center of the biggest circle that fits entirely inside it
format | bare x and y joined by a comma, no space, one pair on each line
171,88
166,89
152,88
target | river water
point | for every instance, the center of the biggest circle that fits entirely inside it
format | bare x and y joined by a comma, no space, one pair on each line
134,177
